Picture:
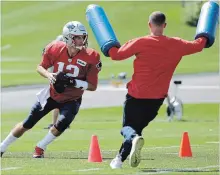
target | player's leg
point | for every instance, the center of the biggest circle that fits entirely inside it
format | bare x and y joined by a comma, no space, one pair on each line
35,115
128,132
131,121
147,110
68,112
55,114
55,117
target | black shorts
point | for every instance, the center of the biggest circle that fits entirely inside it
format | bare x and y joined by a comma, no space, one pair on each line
67,109
139,112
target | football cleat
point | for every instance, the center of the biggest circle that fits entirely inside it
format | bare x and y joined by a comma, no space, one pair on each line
135,154
116,163
39,153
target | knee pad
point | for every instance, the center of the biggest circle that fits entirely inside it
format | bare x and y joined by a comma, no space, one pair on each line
33,117
128,133
63,122
28,124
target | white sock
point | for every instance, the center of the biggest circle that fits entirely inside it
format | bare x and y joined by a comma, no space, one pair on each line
46,140
8,140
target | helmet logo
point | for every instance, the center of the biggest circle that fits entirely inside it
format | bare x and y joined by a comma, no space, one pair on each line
70,27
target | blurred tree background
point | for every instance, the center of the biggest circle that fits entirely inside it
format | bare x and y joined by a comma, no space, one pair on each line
191,12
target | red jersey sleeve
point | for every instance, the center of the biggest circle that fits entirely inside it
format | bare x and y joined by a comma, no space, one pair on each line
93,70
48,56
125,51
191,47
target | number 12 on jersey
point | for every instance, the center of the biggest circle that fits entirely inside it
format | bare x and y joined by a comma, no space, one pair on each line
70,67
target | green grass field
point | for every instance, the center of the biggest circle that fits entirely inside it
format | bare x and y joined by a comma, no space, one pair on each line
28,26
68,154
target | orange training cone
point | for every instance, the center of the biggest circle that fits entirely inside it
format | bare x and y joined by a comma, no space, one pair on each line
94,151
185,148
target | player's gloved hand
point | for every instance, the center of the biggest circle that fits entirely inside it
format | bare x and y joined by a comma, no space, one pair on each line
62,81
71,82
51,77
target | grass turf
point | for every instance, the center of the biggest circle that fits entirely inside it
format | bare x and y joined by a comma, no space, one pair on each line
68,154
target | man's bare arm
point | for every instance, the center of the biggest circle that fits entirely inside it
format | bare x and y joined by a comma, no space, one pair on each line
46,74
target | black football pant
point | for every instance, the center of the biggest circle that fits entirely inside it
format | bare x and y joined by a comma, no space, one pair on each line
138,113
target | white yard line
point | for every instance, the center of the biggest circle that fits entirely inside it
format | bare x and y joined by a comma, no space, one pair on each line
213,142
170,170
159,172
8,46
90,169
15,59
211,166
10,168
162,147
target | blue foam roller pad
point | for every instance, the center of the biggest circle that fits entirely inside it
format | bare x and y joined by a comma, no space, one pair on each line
208,22
101,28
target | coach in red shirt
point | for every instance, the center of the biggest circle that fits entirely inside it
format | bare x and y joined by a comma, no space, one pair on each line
156,59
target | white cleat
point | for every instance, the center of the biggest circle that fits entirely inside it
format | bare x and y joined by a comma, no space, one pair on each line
116,163
135,154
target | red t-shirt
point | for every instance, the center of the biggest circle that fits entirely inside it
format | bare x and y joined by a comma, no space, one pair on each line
83,66
155,62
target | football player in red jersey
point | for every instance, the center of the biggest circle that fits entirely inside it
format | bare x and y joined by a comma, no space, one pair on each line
156,59
78,68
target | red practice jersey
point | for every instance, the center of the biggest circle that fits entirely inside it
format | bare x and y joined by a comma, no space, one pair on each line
155,62
83,66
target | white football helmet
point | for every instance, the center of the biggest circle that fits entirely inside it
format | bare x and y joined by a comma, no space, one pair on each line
72,29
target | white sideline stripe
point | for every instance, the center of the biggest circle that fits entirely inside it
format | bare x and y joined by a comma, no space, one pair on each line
213,142
159,172
211,166
90,169
10,168
172,153
162,147
159,147
162,171
15,59
8,46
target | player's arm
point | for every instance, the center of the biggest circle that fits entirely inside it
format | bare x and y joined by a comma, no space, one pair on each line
125,51
92,74
46,74
91,87
47,61
191,47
